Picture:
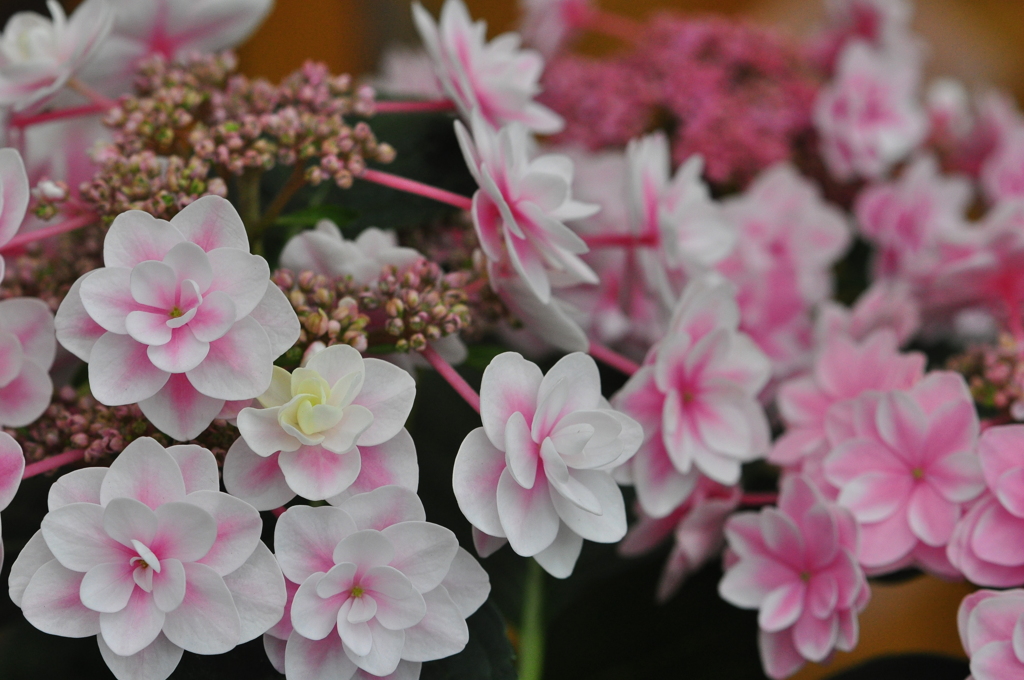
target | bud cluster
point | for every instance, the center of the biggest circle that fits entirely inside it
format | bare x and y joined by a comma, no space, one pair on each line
995,375
47,198
49,274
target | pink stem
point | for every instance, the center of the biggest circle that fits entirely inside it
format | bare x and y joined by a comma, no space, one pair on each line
67,225
92,95
613,359
621,241
415,106
452,376
418,188
278,511
23,121
763,498
53,462
613,25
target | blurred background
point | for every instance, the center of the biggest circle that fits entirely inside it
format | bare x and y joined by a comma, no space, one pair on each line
978,41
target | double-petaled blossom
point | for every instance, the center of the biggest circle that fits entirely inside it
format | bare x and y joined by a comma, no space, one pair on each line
991,625
337,422
181,319
887,303
537,473
905,464
697,530
696,398
12,467
908,217
789,239
843,369
152,558
377,590
14,197
869,118
27,350
38,55
497,78
325,251
797,564
987,543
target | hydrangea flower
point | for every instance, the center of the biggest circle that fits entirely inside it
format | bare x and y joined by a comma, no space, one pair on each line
12,467
325,251
497,79
843,370
991,625
38,55
181,319
986,544
27,350
377,589
1002,174
904,463
335,422
884,24
14,196
536,473
151,558
521,206
696,398
868,118
797,565
697,530
886,304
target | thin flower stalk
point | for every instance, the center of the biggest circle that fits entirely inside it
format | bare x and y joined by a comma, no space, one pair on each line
417,188
452,376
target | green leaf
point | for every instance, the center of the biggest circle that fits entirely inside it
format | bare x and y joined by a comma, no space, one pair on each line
309,216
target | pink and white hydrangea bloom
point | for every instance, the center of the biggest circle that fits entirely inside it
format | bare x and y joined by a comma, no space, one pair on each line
12,467
498,79
537,473
14,197
987,543
886,304
27,350
548,24
991,625
38,55
182,318
153,559
696,527
322,428
869,117
797,565
843,369
696,398
377,589
905,465
884,24
521,207
1002,174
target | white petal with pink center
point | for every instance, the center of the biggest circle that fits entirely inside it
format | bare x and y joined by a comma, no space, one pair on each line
536,473
27,349
377,589
181,319
152,558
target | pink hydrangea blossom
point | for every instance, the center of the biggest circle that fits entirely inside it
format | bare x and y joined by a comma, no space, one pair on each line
884,24
38,55
324,427
497,78
12,467
986,544
696,398
153,559
548,24
14,197
521,206
885,304
843,369
868,118
536,473
27,351
697,530
991,625
325,251
905,464
377,589
907,217
1002,174
797,565
181,319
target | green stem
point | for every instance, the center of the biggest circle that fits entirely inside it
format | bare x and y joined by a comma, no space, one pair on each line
296,181
531,634
249,204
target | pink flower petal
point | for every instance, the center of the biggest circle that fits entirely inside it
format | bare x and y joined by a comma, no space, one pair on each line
153,284
321,659
189,263
478,468
136,236
315,473
212,222
238,530
580,391
885,542
126,520
903,426
998,536
144,471
305,538
179,410
106,588
559,558
875,496
149,328
259,593
392,463
184,532
158,660
441,633
14,193
256,479
51,602
12,466
423,552
1009,488
77,486
25,399
169,585
214,317
207,621
388,392
385,652
931,516
380,508
76,331
996,661
278,319
782,607
198,467
521,453
239,365
31,320
75,535
120,371
509,385
241,275
608,526
814,637
779,654
263,429
106,296
528,518
399,604
133,628
660,488
313,616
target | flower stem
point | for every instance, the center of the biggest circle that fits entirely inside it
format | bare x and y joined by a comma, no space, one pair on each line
452,376
249,204
613,358
92,95
53,462
429,106
67,225
296,181
531,633
621,241
418,188
23,121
